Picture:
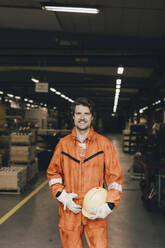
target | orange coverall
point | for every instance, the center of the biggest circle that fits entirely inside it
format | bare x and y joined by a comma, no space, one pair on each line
70,171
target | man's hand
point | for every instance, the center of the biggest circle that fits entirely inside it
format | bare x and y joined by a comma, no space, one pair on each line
67,200
101,212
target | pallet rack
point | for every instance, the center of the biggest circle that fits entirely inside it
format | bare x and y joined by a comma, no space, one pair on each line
23,153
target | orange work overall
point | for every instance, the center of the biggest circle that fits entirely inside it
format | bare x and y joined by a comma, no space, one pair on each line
70,171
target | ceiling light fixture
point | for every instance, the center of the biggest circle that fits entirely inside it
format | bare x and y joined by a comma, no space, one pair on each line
120,70
35,80
74,9
52,89
17,97
118,81
10,95
117,93
61,95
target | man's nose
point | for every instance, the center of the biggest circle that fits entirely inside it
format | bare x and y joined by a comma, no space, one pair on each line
82,116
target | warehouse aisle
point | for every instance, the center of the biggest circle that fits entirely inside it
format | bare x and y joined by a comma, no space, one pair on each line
35,224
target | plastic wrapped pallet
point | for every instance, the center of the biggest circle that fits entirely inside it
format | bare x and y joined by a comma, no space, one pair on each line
32,169
12,179
126,131
20,154
16,138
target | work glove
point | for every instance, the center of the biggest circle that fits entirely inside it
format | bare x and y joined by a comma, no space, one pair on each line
101,212
67,200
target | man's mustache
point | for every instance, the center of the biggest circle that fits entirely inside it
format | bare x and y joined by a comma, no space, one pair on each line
82,120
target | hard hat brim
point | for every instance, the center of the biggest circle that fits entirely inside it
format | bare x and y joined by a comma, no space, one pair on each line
85,213
94,198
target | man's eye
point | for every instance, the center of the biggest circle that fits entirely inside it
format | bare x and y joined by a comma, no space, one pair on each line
86,114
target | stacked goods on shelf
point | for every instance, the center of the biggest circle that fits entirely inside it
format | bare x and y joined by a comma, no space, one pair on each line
46,131
126,139
133,138
53,131
23,152
129,141
21,138
13,179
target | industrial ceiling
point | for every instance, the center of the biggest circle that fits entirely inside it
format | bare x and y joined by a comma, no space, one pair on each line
78,54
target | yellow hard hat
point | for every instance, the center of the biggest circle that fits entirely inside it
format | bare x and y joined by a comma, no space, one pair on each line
94,198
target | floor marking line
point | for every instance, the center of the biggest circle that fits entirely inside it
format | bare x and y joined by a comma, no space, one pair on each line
21,203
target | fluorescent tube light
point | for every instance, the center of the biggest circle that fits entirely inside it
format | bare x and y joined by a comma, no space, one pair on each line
52,89
10,95
35,80
71,9
118,81
58,92
17,97
117,91
120,70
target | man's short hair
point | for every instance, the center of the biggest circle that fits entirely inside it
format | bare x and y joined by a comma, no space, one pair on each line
85,102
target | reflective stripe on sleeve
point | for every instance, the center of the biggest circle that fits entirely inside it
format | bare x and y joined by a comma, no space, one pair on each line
116,186
54,181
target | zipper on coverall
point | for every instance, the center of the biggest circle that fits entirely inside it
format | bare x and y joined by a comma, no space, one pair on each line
83,148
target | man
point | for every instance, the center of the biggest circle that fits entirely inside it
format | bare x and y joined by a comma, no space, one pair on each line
81,161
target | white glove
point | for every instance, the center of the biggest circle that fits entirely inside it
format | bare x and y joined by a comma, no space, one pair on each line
66,199
101,212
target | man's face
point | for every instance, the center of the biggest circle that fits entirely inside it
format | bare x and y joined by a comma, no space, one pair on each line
82,117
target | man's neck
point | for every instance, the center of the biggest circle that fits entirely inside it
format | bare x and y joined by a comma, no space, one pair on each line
82,134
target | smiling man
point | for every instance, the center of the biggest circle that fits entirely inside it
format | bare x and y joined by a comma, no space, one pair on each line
82,161
82,119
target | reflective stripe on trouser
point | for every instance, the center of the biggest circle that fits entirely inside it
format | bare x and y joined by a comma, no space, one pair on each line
71,229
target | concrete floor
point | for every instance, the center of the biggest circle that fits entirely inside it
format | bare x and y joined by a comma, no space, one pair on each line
35,224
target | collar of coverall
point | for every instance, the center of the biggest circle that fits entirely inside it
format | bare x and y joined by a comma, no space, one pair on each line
90,134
